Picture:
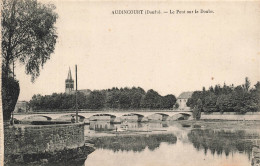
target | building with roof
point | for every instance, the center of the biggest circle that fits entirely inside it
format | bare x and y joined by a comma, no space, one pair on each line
182,101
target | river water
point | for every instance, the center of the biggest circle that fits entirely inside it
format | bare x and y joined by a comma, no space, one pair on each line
173,143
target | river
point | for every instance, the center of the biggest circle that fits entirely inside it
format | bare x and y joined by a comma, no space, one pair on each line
183,143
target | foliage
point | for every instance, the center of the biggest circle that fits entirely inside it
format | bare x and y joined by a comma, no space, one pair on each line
239,99
95,100
10,93
197,110
151,100
123,98
176,106
28,34
168,101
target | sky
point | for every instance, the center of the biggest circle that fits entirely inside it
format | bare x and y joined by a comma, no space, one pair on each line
167,53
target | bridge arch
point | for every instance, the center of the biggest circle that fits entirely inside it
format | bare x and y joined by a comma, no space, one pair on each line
180,116
132,117
164,114
104,117
68,117
158,117
133,114
37,118
185,113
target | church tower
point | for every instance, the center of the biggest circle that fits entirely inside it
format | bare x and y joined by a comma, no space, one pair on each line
69,83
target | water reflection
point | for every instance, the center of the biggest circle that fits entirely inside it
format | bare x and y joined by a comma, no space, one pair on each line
136,143
178,142
102,126
222,141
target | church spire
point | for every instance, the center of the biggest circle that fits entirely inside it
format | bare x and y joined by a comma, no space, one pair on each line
69,83
69,75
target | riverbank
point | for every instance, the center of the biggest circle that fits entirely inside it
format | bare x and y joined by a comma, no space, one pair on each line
223,124
253,116
45,144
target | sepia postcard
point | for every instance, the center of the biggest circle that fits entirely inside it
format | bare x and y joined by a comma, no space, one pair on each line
130,83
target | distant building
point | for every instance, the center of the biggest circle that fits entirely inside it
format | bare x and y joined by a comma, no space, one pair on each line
182,100
21,106
69,86
86,92
69,83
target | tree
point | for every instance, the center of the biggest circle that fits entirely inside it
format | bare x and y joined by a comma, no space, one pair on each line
28,36
246,86
210,103
124,100
194,98
151,100
136,100
239,99
112,98
197,110
168,101
95,100
256,95
9,95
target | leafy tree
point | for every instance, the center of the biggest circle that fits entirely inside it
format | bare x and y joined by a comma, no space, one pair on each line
28,36
151,100
95,100
210,103
10,93
225,103
246,86
81,100
256,95
192,102
168,101
239,99
112,98
136,100
197,110
68,101
123,98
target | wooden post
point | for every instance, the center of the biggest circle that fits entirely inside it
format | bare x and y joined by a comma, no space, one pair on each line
77,119
16,103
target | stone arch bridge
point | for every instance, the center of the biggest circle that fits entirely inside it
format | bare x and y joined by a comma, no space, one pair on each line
107,115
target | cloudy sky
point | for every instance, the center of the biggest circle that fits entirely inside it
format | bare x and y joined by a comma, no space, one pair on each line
167,53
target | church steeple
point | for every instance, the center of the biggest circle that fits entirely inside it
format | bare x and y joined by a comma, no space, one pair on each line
69,75
69,83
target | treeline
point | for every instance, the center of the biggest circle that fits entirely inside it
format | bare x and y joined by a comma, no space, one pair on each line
115,98
240,99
